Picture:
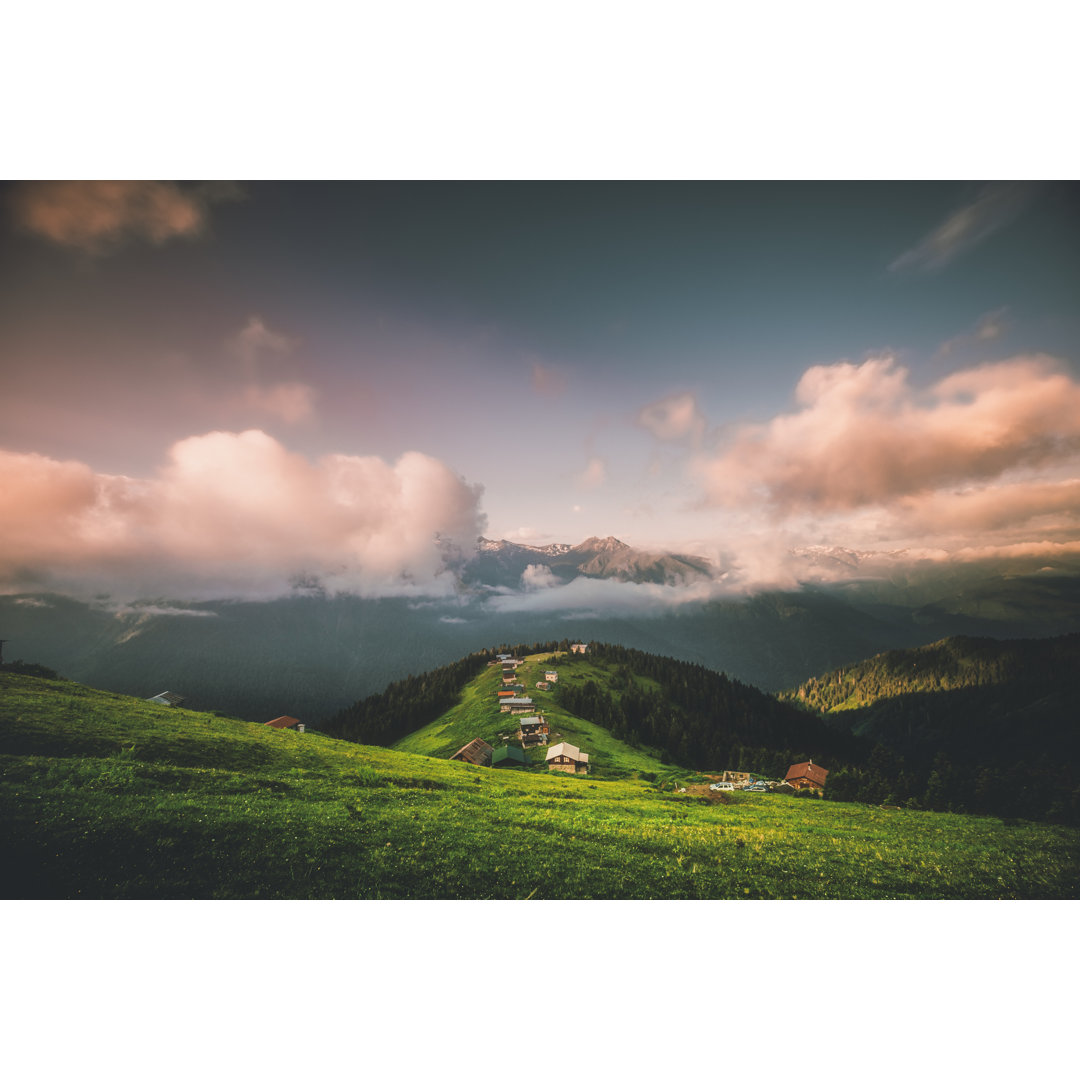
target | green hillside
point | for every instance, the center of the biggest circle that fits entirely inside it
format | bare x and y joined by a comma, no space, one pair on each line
477,715
108,796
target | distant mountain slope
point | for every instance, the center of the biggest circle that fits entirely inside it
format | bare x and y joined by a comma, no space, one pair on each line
311,654
501,563
996,722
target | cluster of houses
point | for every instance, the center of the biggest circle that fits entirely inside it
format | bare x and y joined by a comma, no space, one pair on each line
533,729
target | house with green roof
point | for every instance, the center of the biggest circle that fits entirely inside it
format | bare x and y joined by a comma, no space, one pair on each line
507,757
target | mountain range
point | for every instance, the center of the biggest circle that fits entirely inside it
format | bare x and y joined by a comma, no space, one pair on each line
311,654
502,563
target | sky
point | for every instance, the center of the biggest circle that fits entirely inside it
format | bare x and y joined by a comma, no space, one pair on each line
215,388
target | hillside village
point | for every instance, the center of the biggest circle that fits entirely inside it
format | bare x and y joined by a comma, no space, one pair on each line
533,733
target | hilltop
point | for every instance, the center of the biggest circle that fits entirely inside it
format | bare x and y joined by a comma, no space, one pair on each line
111,797
629,702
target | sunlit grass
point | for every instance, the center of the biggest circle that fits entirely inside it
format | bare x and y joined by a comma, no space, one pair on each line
105,796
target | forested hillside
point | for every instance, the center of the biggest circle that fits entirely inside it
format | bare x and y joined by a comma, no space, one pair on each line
700,718
969,723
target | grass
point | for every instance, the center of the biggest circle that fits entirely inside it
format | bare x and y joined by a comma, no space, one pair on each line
104,796
478,716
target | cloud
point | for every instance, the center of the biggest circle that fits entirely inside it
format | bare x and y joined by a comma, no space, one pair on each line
674,419
588,598
594,475
98,215
993,208
537,576
235,514
291,402
989,327
256,339
863,437
258,347
548,381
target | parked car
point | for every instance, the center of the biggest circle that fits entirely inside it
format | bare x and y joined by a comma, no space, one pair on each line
758,787
722,785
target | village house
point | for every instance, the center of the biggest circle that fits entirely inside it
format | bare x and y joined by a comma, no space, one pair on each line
476,752
507,757
285,722
541,685
577,647
514,705
533,730
806,775
562,757
551,676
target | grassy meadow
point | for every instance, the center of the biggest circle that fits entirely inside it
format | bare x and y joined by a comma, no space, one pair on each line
477,715
105,796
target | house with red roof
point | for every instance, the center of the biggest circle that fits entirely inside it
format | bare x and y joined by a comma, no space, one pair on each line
806,775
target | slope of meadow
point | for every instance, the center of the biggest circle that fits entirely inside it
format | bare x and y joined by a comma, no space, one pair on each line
477,715
112,797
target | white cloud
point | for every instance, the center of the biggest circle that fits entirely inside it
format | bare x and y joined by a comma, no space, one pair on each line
236,514
864,437
536,576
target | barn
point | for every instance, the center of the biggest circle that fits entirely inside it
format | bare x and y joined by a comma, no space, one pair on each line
476,752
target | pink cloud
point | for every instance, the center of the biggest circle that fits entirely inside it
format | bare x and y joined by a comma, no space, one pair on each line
96,214
235,514
863,437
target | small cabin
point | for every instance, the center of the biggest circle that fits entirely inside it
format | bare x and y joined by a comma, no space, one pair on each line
551,676
285,722
476,752
806,775
562,757
507,757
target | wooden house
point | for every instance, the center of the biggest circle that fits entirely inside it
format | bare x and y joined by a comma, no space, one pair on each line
577,647
562,757
507,757
476,752
285,722
533,730
514,705
806,775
